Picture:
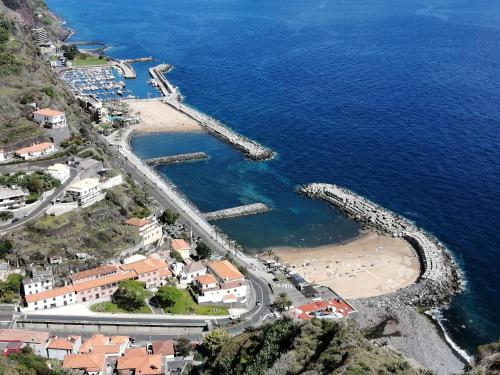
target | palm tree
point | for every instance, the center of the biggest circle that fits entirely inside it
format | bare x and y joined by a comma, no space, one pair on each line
269,253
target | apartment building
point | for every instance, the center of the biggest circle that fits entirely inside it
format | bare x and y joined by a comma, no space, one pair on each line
12,198
192,270
151,271
86,191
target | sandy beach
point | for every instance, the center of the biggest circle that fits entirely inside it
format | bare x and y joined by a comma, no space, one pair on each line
368,266
158,117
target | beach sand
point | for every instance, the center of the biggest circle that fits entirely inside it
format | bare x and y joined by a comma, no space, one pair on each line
368,266
158,117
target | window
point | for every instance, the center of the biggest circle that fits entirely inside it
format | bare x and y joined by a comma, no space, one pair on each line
36,303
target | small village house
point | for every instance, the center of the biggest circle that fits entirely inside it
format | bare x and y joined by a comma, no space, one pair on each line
182,247
149,229
59,171
86,191
58,348
39,281
50,118
36,340
136,361
192,270
36,150
90,364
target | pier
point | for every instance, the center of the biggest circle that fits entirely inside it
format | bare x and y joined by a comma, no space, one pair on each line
139,59
249,209
439,276
176,158
158,75
127,69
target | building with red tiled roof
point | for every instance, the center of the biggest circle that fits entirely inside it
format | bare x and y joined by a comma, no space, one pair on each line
34,339
92,364
224,270
34,151
94,273
152,271
50,118
335,308
137,361
182,247
164,348
149,229
58,348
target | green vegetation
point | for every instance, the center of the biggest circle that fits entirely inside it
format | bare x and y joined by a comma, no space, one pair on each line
6,215
110,307
13,130
130,295
27,363
176,255
181,301
169,217
282,302
83,59
203,251
36,182
291,347
183,347
97,230
9,63
9,289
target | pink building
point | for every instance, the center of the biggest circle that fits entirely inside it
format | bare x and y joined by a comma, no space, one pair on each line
151,271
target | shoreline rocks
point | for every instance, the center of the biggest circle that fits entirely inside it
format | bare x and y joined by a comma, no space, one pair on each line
439,277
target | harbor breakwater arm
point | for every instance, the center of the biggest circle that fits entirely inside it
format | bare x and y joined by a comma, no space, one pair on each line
439,278
249,209
172,97
176,158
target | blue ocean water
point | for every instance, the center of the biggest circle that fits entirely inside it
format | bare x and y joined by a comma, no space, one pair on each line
395,99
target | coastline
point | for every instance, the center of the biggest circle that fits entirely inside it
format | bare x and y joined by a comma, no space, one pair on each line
368,266
166,128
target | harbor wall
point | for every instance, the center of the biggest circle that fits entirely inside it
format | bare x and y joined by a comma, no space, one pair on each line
177,158
439,277
249,209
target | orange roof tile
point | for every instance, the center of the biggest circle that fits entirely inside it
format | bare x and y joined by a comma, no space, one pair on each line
136,222
140,362
109,279
51,293
163,347
88,362
206,279
146,265
95,339
105,349
98,271
35,148
119,340
165,272
225,270
48,112
180,244
22,335
60,344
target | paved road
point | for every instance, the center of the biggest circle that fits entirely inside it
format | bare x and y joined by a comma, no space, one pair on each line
42,206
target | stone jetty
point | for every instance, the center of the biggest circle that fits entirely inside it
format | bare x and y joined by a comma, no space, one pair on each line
176,158
171,96
249,209
439,276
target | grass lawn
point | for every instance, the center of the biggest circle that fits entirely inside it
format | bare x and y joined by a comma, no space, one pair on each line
187,305
17,130
53,222
110,307
85,60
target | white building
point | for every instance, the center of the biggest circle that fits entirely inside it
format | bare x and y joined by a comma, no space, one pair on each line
191,271
12,198
149,229
38,282
50,118
86,192
209,290
36,150
59,171
58,348
56,297
2,155
91,190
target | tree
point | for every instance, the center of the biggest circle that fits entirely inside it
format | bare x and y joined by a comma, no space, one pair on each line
215,340
168,295
169,217
269,253
183,346
203,251
130,295
176,255
9,289
5,247
282,302
6,215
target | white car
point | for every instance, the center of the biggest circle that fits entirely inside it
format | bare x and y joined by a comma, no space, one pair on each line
276,314
234,316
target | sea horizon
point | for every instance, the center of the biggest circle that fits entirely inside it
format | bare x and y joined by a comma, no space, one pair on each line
424,150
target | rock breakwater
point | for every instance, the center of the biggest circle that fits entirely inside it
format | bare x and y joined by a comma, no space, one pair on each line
177,158
439,276
249,209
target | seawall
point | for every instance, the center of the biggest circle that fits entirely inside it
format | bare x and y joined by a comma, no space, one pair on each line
439,277
249,209
177,158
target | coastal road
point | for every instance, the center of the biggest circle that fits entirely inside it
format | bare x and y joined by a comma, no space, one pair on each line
123,160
